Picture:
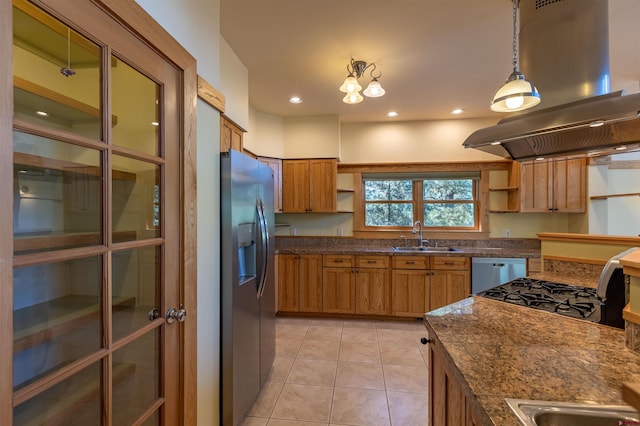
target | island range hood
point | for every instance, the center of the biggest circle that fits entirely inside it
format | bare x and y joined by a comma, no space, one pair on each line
564,48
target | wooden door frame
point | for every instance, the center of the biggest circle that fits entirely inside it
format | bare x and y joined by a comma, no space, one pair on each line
136,19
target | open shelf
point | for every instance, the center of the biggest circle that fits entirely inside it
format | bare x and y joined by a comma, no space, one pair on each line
46,241
604,197
345,190
35,161
505,188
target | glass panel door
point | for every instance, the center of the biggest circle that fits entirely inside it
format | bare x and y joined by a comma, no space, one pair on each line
96,223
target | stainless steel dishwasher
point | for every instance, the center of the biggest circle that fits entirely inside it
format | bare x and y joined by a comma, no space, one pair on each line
489,272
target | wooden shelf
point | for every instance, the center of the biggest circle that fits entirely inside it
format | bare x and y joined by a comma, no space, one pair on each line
345,190
344,211
62,315
504,211
604,197
56,240
35,161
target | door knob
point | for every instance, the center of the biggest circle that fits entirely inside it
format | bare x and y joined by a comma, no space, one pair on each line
153,314
174,315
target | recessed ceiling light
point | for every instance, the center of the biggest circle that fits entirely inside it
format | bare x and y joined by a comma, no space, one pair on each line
155,123
42,113
295,100
457,111
392,114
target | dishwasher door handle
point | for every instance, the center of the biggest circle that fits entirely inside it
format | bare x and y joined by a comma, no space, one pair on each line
498,265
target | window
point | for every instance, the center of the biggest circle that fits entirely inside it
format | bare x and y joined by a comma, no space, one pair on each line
438,200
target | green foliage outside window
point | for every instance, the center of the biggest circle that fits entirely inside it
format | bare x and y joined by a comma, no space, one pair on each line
445,202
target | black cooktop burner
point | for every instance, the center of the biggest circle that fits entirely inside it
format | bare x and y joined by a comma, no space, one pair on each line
564,299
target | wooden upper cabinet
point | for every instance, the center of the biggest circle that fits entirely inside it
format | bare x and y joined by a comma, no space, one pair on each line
230,135
557,185
309,186
276,166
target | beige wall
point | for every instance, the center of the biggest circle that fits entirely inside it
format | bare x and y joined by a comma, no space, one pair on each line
312,137
410,141
234,84
266,134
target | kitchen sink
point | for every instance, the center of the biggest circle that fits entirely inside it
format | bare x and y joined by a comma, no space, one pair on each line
424,249
553,413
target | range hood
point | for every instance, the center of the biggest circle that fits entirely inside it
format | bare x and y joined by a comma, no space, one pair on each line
596,126
564,47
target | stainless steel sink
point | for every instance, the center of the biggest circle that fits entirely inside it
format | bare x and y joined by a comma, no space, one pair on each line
553,413
424,249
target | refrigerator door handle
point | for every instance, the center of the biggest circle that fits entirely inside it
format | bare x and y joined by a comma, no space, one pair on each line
264,242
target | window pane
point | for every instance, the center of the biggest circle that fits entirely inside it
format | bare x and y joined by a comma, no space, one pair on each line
449,214
387,214
136,289
448,189
56,74
136,108
56,317
388,190
57,194
136,378
75,401
136,199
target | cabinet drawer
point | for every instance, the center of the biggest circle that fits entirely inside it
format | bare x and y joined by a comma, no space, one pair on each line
450,262
338,260
410,262
372,261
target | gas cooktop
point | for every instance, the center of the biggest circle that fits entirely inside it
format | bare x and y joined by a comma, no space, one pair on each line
569,300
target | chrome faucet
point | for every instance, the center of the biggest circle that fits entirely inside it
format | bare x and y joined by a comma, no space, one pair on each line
417,229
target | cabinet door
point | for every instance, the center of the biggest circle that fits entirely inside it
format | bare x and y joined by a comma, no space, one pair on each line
448,287
323,193
230,136
536,188
569,185
288,283
295,186
410,293
310,283
338,290
373,291
276,166
447,401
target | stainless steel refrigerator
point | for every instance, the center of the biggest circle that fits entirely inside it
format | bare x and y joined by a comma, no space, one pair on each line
247,283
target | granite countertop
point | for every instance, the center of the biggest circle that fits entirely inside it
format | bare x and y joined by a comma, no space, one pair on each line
508,351
387,250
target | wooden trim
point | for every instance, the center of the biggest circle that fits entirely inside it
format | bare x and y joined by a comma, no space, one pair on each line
6,200
436,235
189,355
423,167
139,22
631,394
575,259
631,263
589,238
630,316
482,202
210,94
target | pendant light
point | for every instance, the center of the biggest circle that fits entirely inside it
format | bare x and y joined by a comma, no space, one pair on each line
68,71
352,88
517,93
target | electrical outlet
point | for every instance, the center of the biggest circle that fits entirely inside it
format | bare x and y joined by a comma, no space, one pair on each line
339,231
506,233
292,230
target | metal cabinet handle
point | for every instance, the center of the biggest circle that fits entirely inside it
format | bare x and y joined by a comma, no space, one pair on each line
410,262
174,315
371,261
153,314
338,261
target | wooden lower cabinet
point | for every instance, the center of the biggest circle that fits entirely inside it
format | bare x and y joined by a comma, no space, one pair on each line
339,291
299,283
410,292
422,284
448,405
448,287
402,286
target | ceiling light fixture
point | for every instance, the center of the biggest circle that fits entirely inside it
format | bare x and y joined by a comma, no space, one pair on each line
295,100
352,88
517,93
457,111
392,114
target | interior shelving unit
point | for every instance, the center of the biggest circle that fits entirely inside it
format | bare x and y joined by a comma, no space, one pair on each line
511,189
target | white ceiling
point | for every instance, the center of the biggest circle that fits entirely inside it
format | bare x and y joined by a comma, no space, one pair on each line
434,55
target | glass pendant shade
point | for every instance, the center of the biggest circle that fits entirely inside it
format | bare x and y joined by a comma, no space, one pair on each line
350,85
352,98
515,95
374,89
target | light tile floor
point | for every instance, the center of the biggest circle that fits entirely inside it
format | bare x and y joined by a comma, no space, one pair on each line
345,372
